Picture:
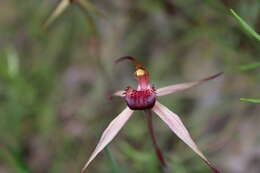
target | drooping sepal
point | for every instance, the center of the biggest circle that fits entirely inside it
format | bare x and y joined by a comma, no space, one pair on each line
108,135
175,124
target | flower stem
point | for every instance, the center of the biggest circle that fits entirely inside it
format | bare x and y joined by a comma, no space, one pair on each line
154,142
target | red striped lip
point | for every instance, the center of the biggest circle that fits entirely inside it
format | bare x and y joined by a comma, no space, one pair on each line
140,100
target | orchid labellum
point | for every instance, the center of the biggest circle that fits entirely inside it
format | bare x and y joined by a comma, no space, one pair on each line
145,98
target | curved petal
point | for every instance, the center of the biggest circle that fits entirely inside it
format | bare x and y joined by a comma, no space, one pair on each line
110,132
183,86
176,125
141,74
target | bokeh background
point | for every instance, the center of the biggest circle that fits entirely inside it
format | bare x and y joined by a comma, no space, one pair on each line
55,83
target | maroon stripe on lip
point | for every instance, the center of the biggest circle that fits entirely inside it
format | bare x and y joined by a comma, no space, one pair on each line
140,100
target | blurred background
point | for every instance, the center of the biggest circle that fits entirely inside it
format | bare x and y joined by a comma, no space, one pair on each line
55,83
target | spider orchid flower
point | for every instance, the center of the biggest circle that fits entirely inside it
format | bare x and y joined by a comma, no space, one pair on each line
145,98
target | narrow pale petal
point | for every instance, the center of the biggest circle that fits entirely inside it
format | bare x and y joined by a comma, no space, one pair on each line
119,94
110,132
183,86
176,125
57,12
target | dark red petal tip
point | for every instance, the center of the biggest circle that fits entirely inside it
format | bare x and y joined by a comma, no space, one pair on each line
136,63
212,77
212,168
125,58
141,74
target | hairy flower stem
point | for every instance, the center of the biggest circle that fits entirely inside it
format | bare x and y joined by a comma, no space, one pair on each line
154,142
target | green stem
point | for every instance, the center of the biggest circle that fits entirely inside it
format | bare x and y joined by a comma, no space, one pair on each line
114,165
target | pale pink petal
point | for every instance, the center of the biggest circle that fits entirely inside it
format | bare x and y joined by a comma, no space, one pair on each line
176,125
183,86
119,94
110,132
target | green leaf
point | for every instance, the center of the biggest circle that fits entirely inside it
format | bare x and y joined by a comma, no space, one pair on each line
246,27
249,66
15,159
257,101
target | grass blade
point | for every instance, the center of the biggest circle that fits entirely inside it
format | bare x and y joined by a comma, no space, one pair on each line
114,165
245,26
257,101
249,66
